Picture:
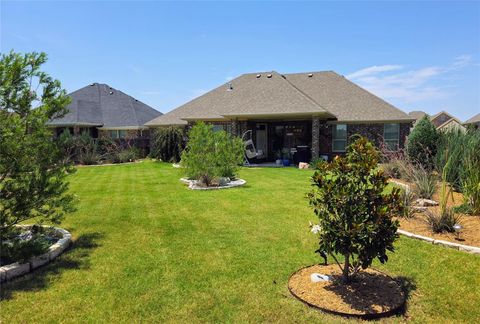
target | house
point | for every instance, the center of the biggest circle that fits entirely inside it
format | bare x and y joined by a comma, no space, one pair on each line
444,121
105,112
473,122
417,115
310,115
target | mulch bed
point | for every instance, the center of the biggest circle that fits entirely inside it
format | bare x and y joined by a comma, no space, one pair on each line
470,234
371,294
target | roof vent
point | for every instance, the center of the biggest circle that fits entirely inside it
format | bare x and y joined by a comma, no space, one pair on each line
92,84
310,75
230,87
111,92
269,76
258,76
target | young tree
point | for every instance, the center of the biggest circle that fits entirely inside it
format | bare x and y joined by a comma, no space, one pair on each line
32,168
422,143
354,208
210,154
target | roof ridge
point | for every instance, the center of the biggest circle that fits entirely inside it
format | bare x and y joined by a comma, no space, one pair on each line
306,96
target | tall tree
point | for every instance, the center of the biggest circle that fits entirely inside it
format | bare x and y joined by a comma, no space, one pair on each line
32,169
422,143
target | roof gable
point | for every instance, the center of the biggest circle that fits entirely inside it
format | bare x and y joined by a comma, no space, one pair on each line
474,119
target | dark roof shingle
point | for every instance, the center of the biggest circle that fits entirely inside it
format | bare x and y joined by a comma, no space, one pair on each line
101,105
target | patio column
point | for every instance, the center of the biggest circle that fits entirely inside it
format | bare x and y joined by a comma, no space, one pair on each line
315,138
234,129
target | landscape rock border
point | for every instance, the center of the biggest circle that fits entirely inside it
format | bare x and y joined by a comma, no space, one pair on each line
452,245
192,184
456,246
13,270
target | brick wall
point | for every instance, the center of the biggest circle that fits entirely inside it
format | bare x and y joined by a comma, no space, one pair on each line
374,132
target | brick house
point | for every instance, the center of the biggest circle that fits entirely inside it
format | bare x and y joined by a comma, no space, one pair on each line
105,112
309,114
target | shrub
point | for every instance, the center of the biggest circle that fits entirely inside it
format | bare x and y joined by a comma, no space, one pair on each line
167,144
354,208
392,170
425,181
229,151
463,171
407,198
422,143
446,218
210,154
443,221
126,155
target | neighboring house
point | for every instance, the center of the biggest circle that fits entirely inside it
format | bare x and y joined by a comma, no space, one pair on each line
103,111
445,121
417,115
474,121
308,114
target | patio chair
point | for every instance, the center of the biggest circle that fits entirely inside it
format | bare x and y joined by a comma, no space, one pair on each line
250,151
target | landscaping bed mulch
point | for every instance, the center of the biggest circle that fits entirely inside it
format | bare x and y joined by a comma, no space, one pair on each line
470,234
371,294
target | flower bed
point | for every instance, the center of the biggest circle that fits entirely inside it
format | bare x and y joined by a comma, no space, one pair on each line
10,271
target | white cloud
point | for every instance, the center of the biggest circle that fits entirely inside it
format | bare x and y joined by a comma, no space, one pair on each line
408,86
462,60
373,69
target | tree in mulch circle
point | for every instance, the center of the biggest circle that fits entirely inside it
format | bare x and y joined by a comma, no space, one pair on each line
354,209
33,170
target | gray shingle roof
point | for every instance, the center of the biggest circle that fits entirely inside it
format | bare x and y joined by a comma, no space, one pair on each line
271,94
474,119
417,114
344,99
101,105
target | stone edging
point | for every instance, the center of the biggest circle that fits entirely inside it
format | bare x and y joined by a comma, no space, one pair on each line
456,246
16,269
192,184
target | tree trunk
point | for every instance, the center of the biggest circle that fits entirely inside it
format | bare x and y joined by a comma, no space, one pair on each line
346,268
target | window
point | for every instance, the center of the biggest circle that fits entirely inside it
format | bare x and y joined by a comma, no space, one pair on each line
391,136
339,138
217,127
122,133
117,133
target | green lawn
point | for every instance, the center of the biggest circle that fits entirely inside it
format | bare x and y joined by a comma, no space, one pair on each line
149,249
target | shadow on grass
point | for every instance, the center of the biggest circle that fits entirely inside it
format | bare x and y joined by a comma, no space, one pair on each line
75,257
374,293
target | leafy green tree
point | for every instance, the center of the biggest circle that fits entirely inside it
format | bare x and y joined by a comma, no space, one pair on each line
355,208
229,150
33,171
167,143
209,155
422,143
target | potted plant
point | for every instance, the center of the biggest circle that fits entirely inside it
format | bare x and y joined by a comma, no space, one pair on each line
286,157
278,157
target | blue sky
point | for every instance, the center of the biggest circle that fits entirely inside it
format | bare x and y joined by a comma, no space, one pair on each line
416,55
